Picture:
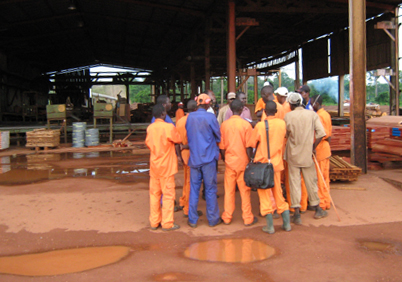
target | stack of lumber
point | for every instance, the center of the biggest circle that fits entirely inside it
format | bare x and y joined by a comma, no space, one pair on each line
43,138
389,146
375,134
342,170
387,121
340,139
4,140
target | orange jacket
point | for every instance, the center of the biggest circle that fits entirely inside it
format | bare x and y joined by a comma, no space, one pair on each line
179,114
323,149
235,133
277,133
280,113
181,128
260,105
161,139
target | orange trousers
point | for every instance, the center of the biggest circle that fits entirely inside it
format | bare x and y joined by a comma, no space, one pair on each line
304,195
231,178
162,215
186,189
323,192
266,204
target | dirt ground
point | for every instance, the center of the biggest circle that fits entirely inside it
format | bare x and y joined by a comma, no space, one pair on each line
102,200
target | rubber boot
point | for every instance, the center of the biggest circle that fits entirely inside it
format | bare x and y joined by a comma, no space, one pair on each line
286,221
320,213
296,219
270,224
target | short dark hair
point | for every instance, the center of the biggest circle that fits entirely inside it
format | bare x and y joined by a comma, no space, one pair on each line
236,106
158,110
191,105
317,99
239,93
270,107
162,99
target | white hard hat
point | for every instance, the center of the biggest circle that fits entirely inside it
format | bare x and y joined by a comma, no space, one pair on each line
283,91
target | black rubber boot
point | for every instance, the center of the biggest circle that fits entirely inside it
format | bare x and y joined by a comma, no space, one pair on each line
320,213
296,219
269,228
286,221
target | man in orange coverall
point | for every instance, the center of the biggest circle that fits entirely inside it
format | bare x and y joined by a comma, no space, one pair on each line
235,133
185,153
277,133
163,140
267,94
179,113
323,152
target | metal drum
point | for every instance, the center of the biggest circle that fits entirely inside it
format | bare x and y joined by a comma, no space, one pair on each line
79,134
92,137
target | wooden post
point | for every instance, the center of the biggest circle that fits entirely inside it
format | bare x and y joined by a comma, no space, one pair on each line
341,94
193,82
231,47
357,53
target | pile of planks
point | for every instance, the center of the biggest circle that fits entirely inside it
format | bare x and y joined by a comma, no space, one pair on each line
376,134
340,139
43,138
388,145
342,170
4,140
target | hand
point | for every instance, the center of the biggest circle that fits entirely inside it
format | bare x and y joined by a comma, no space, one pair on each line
180,160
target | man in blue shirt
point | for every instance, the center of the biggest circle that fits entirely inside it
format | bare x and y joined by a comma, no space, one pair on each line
203,134
165,102
304,90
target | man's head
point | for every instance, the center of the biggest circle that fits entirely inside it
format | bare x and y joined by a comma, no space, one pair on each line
203,101
237,107
281,94
180,105
230,97
267,93
159,111
294,99
316,101
304,90
242,97
270,108
165,101
191,106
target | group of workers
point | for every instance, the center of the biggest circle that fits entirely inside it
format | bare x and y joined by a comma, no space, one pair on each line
299,131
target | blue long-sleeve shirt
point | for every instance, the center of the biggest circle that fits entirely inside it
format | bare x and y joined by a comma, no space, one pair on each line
203,134
167,119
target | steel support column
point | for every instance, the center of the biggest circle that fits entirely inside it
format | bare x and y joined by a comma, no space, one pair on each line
207,55
394,93
357,59
193,82
297,71
231,46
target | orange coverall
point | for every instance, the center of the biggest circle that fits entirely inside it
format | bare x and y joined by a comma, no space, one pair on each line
286,107
179,114
260,105
185,154
277,133
235,133
161,139
279,113
323,152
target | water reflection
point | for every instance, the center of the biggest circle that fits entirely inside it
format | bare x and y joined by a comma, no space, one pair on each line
230,250
62,261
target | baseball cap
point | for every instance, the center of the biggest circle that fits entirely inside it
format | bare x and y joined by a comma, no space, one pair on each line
203,99
294,98
303,88
180,103
231,95
282,91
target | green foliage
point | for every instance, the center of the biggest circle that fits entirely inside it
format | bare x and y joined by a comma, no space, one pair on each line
140,94
382,98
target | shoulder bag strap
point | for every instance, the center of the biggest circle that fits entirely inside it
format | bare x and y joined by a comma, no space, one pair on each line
267,131
255,151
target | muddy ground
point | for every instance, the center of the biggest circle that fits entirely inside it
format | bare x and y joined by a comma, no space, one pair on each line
61,202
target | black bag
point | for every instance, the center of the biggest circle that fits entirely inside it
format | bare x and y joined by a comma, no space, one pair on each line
260,175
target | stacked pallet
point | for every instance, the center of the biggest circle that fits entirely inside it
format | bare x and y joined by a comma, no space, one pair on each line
340,139
375,134
4,140
43,138
342,170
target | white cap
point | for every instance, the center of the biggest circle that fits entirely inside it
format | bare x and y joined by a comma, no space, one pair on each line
282,91
294,98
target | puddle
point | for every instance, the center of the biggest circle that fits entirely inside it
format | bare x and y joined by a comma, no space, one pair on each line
62,261
175,276
122,167
230,250
378,246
